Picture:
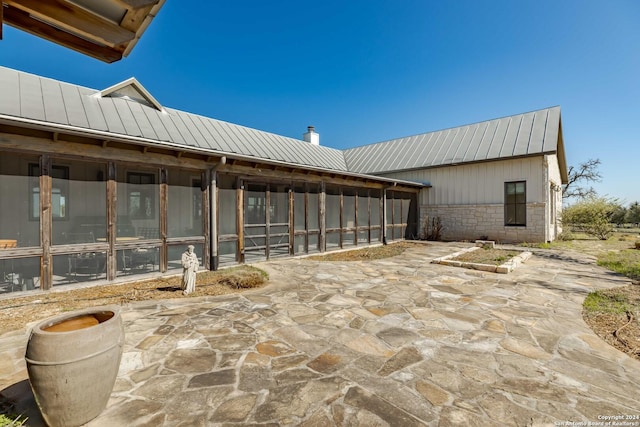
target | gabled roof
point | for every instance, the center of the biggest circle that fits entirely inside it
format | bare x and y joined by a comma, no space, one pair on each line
105,29
127,111
131,89
535,133
110,114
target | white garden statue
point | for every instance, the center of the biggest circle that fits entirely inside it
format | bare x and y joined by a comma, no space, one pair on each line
190,268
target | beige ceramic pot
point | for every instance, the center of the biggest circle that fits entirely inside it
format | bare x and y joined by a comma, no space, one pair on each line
72,361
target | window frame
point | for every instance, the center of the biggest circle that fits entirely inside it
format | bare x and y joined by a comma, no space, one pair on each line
58,172
144,194
519,220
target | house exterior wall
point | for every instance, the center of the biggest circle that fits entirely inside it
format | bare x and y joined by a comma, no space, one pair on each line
92,211
554,188
469,198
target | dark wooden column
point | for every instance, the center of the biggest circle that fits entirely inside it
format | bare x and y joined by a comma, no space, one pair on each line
46,269
164,212
112,213
209,190
292,224
240,220
355,208
306,219
383,222
323,213
342,219
267,220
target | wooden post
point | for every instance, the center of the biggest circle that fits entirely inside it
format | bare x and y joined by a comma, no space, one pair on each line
383,223
323,210
355,208
112,213
164,203
369,216
240,220
342,219
292,225
267,220
209,189
46,270
306,219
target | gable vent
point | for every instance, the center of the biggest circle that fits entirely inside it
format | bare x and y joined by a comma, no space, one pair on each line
132,90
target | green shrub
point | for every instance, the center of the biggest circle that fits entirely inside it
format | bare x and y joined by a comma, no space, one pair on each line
592,216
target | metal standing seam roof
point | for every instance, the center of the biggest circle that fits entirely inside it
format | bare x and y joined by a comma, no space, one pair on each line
525,134
119,112
31,97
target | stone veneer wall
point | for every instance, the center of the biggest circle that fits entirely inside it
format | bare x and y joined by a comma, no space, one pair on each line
471,222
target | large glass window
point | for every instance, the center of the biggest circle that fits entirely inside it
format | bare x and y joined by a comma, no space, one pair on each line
227,201
348,208
227,217
314,203
17,228
184,216
333,208
86,204
141,195
138,207
299,208
515,203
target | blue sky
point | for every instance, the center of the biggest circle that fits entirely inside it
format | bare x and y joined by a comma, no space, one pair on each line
368,71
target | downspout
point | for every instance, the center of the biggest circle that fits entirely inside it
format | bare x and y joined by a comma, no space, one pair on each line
213,207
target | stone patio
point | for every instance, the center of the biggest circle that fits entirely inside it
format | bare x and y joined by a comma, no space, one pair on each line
398,342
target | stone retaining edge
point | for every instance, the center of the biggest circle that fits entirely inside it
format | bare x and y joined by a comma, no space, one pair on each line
505,268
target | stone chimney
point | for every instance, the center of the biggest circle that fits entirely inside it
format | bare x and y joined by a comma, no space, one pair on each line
311,136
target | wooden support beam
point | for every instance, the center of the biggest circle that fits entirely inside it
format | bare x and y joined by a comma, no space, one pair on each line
134,18
209,189
323,214
46,219
164,202
96,152
137,4
240,220
145,149
292,225
23,21
75,20
112,213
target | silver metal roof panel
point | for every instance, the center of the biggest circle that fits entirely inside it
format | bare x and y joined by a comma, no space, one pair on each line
519,135
26,96
52,98
30,91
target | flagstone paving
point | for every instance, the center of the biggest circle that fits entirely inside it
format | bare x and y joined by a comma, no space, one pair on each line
394,342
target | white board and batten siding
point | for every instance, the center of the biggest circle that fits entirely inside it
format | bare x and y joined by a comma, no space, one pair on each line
479,183
469,199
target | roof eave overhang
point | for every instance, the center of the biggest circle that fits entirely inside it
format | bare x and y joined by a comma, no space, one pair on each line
446,165
141,141
73,26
